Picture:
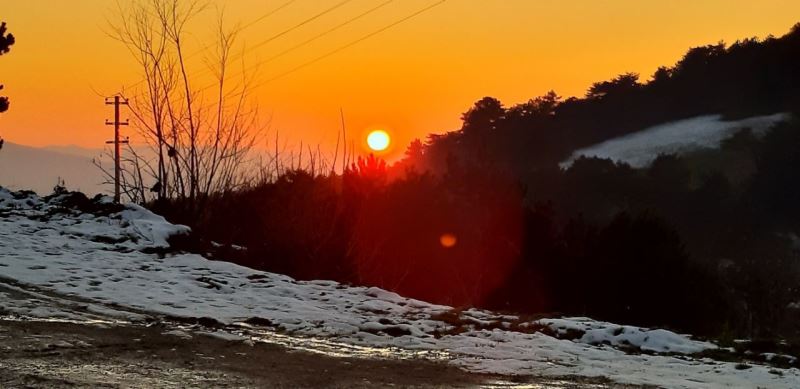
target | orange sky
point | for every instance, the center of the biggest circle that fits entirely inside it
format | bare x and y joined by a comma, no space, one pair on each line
413,79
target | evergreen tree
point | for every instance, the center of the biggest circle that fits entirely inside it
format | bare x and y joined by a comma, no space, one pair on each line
6,40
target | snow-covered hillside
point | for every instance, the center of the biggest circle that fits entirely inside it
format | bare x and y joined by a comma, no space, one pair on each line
640,148
103,254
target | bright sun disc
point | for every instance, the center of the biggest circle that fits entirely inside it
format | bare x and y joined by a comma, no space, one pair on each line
378,140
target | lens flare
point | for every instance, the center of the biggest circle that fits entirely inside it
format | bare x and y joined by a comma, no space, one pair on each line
378,140
448,240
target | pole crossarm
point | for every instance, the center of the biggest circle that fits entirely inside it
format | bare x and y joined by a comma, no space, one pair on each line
116,101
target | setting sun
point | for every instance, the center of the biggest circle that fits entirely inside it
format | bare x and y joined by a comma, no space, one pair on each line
378,140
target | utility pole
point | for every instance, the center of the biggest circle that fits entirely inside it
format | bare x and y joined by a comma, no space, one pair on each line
116,102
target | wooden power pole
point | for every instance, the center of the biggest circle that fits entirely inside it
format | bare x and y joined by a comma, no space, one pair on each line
117,101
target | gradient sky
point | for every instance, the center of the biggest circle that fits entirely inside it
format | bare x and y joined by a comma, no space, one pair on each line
411,80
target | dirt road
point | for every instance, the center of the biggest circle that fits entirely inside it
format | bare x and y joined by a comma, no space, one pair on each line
97,350
47,355
42,354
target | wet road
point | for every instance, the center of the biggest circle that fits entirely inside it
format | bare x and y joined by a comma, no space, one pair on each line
48,354
42,354
89,346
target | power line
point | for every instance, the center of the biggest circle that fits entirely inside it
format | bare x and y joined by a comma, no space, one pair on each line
256,21
296,26
312,39
250,24
273,37
340,48
268,14
326,32
352,43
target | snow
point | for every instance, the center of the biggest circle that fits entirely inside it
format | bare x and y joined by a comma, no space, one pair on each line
772,356
639,149
103,259
655,340
152,227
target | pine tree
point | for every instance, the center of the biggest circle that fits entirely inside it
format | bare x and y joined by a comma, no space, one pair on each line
6,40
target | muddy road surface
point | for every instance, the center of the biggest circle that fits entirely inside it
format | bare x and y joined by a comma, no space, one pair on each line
74,343
44,354
47,354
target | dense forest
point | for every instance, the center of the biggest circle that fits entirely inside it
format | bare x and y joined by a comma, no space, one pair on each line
484,216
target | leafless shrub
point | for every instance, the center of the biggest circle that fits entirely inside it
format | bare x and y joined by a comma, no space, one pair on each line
198,139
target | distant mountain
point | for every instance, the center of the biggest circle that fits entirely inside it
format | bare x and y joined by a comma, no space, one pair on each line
38,169
75,150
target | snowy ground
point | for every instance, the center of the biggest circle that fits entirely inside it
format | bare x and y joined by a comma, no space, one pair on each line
640,148
104,259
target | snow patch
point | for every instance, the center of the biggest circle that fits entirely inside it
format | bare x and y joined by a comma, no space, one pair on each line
639,149
598,333
153,228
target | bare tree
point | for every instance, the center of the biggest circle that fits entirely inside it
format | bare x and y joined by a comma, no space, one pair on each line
196,149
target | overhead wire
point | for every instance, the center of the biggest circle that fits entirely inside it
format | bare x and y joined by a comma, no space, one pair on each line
352,43
312,39
250,24
296,26
334,51
268,14
326,32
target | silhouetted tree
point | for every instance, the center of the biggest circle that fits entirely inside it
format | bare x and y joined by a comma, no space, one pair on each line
649,266
742,140
776,185
483,116
621,85
670,173
6,40
542,106
661,76
414,150
413,160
